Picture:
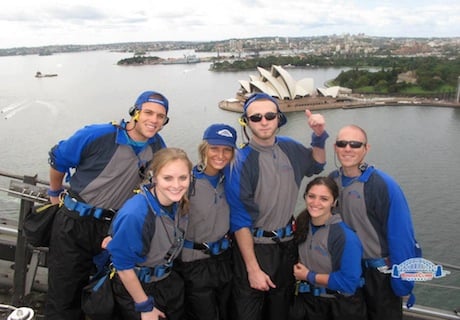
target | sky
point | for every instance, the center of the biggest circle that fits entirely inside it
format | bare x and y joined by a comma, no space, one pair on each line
32,23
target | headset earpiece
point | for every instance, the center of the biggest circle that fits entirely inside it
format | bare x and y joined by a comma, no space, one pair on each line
243,120
132,110
136,115
281,119
165,121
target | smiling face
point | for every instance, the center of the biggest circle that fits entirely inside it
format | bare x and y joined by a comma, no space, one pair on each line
147,121
172,181
319,202
350,158
217,157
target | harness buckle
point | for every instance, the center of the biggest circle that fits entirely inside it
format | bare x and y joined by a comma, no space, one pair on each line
207,249
161,270
218,247
276,237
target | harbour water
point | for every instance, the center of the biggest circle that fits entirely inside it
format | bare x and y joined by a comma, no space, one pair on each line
419,146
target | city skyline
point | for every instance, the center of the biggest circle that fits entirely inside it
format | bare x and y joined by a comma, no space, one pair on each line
31,23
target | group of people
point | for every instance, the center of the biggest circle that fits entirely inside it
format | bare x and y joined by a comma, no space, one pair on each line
221,239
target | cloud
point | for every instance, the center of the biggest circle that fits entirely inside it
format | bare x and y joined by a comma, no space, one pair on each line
76,13
46,22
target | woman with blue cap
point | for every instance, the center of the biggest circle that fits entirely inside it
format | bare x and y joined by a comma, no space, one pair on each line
206,260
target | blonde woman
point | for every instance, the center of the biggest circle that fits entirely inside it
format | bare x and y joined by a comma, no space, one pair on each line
206,258
148,234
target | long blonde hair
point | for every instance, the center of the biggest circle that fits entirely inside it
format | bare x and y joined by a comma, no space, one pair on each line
162,158
203,155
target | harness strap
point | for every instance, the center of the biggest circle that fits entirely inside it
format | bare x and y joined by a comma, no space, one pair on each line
176,246
305,287
275,235
85,209
381,264
212,248
145,274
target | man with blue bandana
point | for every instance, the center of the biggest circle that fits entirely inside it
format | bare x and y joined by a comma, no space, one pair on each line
108,162
262,192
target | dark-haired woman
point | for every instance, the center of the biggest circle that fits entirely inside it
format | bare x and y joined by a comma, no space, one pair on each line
329,271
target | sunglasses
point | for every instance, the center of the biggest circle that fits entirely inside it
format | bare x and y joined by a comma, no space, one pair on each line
258,117
352,144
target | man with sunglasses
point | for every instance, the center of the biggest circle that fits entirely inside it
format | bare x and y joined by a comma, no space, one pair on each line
262,190
373,204
108,162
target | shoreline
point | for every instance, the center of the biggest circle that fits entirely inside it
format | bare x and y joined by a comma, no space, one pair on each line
324,103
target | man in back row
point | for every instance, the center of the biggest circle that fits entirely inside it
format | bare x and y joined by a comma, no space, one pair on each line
262,190
109,162
374,205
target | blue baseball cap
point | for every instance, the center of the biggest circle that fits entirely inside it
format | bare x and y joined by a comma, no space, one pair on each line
264,96
221,135
147,97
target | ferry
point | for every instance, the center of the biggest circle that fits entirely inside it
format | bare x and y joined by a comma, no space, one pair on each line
187,59
45,75
23,268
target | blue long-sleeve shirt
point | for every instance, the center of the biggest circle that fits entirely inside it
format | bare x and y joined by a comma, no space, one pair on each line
104,161
143,233
263,185
375,207
334,249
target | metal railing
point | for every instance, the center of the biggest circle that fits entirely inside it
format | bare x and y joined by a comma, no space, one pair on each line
30,190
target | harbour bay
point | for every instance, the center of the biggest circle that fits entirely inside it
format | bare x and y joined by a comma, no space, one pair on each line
416,145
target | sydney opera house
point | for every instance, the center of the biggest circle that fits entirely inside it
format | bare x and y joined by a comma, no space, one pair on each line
292,95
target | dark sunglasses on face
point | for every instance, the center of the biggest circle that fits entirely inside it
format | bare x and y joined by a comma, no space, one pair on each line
352,144
258,117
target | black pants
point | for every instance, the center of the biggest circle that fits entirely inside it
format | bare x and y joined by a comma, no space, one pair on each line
74,242
168,294
277,261
381,302
207,287
309,307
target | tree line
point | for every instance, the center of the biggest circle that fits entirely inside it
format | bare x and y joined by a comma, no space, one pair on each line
432,75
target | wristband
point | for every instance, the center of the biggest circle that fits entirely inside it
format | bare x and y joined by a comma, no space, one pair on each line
145,306
55,193
319,141
311,277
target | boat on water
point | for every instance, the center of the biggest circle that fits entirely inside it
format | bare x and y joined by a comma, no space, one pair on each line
23,268
45,75
187,59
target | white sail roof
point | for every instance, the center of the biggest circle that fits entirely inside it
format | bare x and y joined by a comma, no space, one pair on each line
264,87
280,87
246,85
280,84
283,76
334,91
305,87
